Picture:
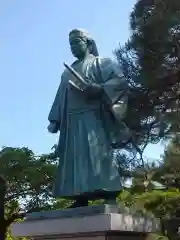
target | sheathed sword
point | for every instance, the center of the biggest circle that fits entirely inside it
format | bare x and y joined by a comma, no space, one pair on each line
77,81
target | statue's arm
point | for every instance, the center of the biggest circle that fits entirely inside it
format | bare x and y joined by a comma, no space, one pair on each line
93,90
109,69
109,79
115,86
55,111
112,78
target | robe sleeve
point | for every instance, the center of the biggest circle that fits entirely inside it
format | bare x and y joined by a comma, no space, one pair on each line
113,81
55,111
114,85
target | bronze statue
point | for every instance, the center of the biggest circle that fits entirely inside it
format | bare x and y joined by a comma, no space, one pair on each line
88,110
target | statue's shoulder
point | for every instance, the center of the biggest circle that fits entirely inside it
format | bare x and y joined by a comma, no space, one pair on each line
108,63
74,63
104,61
65,73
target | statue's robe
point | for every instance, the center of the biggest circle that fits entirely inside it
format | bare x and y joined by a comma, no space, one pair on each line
87,129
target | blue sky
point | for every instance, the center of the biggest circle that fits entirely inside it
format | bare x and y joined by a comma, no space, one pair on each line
33,46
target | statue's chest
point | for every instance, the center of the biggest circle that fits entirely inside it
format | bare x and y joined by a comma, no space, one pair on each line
76,98
84,69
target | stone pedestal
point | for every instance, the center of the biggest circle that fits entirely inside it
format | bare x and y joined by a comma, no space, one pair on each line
95,222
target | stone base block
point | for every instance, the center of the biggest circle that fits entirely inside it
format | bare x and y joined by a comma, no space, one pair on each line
99,226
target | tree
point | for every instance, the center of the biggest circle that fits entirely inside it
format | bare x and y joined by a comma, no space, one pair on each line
150,63
29,182
169,168
160,197
2,212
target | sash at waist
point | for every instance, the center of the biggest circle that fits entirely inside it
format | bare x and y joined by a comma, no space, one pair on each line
83,110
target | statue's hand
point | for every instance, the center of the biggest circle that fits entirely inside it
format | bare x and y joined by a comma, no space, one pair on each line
53,127
94,89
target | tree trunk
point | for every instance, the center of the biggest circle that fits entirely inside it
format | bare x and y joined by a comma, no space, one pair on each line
2,198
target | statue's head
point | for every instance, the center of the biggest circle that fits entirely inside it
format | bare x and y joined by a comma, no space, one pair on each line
82,44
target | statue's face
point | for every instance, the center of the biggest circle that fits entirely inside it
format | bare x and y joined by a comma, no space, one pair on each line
79,47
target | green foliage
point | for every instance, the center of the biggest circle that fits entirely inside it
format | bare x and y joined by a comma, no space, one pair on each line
29,178
29,182
160,203
150,63
155,190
